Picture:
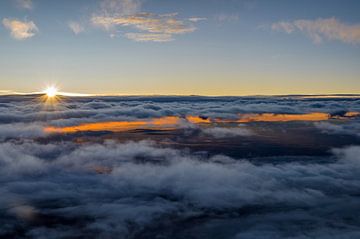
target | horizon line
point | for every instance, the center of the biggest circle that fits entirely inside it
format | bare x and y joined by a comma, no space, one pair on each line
73,94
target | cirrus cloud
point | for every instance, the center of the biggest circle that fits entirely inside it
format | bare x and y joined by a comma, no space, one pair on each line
148,26
322,29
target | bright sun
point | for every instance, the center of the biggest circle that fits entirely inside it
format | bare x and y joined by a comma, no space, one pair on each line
51,91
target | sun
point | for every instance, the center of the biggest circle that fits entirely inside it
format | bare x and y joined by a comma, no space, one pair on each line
51,92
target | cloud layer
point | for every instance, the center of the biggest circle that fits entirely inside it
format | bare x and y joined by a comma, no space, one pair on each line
320,29
58,190
58,186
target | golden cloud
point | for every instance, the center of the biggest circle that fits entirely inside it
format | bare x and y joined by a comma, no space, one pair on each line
20,30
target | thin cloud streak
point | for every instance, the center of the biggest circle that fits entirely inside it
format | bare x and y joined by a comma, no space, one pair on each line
322,29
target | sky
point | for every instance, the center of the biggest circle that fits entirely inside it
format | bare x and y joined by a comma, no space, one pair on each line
188,47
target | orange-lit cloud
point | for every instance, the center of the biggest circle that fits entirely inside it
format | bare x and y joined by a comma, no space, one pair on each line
20,30
197,119
270,117
352,114
119,126
173,122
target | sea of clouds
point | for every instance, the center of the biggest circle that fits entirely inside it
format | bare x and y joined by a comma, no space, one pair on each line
25,116
136,189
63,189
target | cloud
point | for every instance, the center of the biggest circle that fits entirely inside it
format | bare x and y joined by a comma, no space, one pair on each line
25,4
20,30
320,29
197,19
55,186
76,27
150,26
150,190
22,109
20,130
154,37
348,128
222,132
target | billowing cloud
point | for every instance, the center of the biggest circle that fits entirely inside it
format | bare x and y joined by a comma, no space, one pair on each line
349,128
149,26
76,27
320,29
20,30
25,4
199,175
149,190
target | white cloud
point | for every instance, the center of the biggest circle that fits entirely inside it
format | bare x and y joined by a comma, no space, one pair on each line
76,27
320,29
20,30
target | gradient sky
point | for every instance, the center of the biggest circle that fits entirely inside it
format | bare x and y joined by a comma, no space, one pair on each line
209,47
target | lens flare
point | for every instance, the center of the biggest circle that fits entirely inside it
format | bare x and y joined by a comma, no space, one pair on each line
51,91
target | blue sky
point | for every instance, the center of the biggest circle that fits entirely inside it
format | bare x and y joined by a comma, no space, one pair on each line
206,47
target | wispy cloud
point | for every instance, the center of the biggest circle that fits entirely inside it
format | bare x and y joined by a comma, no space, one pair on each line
76,27
24,4
155,37
322,29
197,19
20,30
150,26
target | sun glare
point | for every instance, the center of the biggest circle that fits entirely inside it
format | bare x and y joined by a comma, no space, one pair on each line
51,92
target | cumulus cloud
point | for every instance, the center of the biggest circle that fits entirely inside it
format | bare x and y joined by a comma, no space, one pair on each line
150,26
76,27
20,30
25,4
320,29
